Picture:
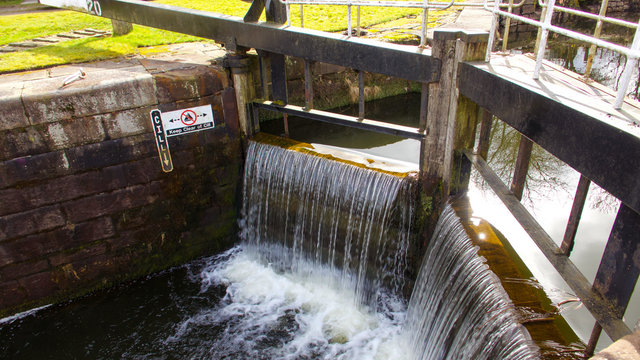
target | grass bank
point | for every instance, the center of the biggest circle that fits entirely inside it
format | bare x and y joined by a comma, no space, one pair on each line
17,28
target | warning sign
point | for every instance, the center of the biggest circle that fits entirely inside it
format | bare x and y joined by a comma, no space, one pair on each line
161,141
188,120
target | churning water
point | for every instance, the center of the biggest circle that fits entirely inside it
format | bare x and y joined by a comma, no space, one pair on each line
319,273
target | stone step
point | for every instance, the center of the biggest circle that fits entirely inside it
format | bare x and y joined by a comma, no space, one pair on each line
24,44
68,36
46,40
82,32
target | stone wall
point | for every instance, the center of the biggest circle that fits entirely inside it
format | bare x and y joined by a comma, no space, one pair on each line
83,199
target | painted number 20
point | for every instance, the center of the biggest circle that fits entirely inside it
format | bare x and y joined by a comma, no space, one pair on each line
94,7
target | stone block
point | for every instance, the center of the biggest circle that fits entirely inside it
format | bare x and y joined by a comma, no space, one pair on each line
18,250
70,257
136,218
114,202
74,235
73,132
39,285
30,222
112,152
21,142
12,114
11,294
33,168
62,189
100,92
127,122
20,270
142,171
188,82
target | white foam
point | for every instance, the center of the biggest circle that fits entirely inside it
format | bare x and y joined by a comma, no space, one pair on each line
320,320
22,315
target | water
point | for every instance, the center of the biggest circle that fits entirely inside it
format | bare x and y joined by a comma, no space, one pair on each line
231,306
549,192
458,304
327,213
319,274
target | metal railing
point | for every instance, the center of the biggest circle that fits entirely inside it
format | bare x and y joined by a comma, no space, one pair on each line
544,24
425,5
497,8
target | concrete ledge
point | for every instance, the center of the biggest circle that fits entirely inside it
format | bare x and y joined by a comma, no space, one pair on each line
99,92
39,115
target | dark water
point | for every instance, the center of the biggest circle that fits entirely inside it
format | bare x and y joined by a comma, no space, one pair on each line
134,320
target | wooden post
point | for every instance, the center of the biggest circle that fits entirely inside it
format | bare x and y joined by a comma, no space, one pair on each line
485,134
446,127
574,216
308,85
238,63
619,268
121,27
522,167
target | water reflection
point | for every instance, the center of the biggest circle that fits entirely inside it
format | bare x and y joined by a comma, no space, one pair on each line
607,66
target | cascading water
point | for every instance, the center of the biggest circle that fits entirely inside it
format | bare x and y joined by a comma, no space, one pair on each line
301,210
458,309
319,274
336,226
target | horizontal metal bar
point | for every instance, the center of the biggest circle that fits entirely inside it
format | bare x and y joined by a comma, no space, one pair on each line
593,16
595,303
407,62
568,33
345,120
398,4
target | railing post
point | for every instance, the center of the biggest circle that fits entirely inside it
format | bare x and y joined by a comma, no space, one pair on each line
619,268
348,17
574,217
543,38
507,28
522,167
493,30
485,134
358,21
596,34
446,127
423,31
632,64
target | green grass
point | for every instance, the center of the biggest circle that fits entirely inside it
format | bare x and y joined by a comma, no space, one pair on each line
16,28
4,3
22,27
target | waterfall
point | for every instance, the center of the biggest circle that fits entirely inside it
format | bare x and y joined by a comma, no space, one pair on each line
332,241
458,309
301,213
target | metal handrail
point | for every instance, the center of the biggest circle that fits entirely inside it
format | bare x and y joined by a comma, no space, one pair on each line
496,8
593,16
632,53
424,5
